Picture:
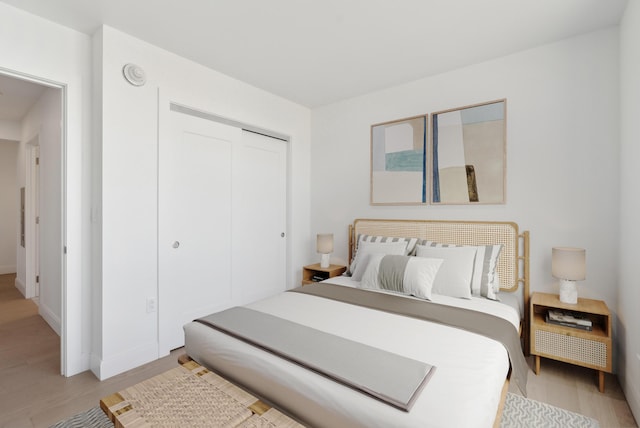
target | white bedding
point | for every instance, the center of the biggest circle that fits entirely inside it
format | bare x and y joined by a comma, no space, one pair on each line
463,392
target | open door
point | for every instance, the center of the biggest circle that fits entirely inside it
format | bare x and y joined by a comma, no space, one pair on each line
32,219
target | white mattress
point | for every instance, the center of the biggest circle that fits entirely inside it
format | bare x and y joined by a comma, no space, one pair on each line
463,392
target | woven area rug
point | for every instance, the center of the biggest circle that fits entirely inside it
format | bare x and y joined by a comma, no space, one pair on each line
519,412
92,418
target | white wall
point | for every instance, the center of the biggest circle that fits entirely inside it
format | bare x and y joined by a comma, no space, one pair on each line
43,120
629,289
36,47
562,153
9,206
9,129
126,336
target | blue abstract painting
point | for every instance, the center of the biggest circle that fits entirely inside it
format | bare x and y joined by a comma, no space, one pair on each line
398,150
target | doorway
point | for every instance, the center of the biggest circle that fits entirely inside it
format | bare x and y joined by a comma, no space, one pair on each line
32,113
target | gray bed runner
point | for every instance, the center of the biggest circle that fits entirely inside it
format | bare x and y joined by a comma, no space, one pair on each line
487,325
388,377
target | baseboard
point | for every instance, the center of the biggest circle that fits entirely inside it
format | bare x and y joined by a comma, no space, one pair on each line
51,318
632,394
21,287
124,361
95,365
5,269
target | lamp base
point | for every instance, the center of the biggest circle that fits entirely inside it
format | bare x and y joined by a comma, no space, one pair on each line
568,292
324,262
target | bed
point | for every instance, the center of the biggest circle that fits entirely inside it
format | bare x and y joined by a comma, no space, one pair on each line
471,371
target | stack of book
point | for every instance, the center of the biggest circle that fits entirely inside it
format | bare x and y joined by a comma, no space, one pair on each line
569,319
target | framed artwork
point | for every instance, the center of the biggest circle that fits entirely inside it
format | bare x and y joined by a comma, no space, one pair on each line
468,154
398,162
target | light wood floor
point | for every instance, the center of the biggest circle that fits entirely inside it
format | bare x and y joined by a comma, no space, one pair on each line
34,394
32,391
576,389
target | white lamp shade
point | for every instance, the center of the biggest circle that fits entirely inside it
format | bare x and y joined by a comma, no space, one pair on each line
568,263
324,243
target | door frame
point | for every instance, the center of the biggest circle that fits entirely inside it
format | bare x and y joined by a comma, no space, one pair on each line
66,307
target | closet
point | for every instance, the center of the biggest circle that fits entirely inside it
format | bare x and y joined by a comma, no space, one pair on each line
221,218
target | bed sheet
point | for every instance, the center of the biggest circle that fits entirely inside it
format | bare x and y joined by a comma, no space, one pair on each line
464,391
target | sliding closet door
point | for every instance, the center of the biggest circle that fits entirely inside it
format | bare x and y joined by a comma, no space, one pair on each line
221,220
195,222
259,217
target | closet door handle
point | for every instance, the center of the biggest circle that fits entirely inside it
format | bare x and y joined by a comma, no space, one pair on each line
176,244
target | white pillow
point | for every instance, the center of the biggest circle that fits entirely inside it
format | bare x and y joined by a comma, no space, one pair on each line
485,281
361,266
407,275
366,248
454,276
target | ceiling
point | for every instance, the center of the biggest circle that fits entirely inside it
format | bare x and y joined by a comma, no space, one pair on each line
16,97
316,52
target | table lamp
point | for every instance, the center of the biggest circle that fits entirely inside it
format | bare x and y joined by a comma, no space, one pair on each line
324,246
568,265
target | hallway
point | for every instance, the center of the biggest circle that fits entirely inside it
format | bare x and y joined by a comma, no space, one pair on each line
32,391
27,343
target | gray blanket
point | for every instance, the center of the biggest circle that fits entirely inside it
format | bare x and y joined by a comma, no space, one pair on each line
477,322
388,377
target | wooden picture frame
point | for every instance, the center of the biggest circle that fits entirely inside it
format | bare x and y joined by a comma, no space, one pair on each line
398,162
468,154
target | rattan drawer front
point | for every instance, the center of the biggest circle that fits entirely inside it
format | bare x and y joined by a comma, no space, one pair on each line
591,352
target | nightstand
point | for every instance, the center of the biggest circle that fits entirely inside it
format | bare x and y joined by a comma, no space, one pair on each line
315,273
587,348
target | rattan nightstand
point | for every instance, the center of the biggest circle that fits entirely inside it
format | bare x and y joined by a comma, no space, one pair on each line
315,273
572,345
